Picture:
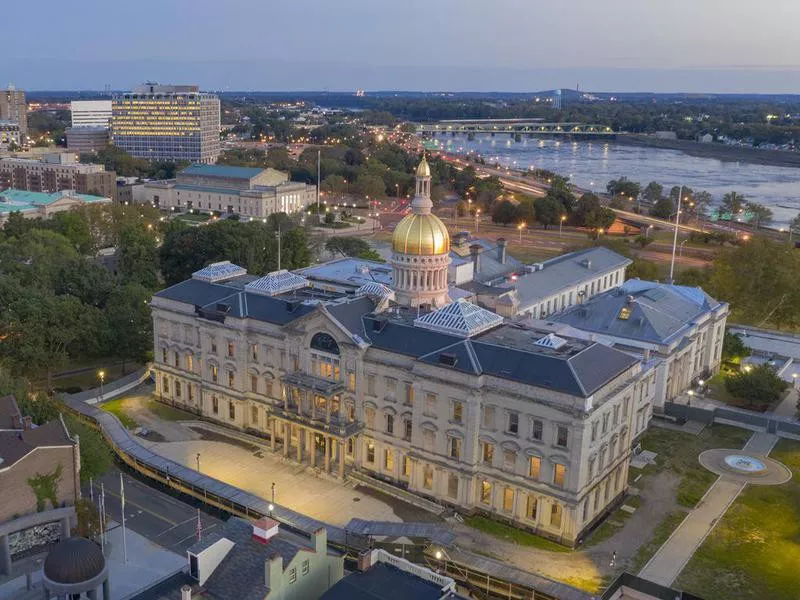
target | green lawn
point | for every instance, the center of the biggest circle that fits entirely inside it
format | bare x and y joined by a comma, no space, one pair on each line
115,408
511,534
754,551
88,379
196,217
169,413
678,452
613,523
528,255
660,535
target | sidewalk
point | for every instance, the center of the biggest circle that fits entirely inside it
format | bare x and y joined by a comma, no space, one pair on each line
667,563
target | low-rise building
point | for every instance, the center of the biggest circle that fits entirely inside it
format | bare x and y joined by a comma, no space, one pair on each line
33,205
56,172
248,192
678,329
29,519
10,135
258,562
481,261
87,139
549,287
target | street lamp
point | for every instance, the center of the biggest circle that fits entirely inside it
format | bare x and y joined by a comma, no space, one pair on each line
794,380
101,375
477,216
198,461
271,508
520,227
561,224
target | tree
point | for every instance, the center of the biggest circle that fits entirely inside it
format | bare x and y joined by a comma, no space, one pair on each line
330,218
526,211
702,201
759,214
370,185
664,208
623,187
590,213
87,281
352,246
504,212
794,226
733,348
645,270
653,192
731,205
757,385
138,257
129,323
334,184
549,211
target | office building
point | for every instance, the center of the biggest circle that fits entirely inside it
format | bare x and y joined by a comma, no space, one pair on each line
13,108
247,192
34,205
57,172
167,122
28,523
91,113
87,139
445,400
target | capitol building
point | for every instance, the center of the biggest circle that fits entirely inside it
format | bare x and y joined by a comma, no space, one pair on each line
403,385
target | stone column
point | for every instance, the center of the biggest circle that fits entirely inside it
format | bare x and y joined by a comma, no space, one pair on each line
340,452
327,454
287,438
273,432
65,528
106,590
301,432
312,447
328,410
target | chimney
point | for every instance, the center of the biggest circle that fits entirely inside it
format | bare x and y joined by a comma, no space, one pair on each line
186,592
475,251
501,250
264,530
273,570
320,538
365,560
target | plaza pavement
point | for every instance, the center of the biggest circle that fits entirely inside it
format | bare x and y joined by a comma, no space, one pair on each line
667,563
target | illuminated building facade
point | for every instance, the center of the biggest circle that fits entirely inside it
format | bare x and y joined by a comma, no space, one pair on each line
167,122
13,108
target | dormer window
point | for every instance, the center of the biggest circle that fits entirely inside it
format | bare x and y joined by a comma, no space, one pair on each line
624,313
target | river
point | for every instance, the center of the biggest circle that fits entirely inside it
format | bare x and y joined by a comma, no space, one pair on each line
591,164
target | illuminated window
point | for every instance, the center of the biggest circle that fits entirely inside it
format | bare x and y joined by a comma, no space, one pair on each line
388,460
624,313
427,477
452,486
535,467
508,499
458,411
488,452
486,492
406,467
559,475
214,373
215,404
555,515
370,452
531,507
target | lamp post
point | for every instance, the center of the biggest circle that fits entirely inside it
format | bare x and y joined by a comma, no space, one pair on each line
520,227
101,375
561,224
794,380
198,461
675,237
477,223
273,492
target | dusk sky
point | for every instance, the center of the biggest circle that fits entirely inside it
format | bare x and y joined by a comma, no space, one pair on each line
454,45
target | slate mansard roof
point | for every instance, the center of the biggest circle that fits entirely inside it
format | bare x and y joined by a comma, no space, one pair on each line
459,337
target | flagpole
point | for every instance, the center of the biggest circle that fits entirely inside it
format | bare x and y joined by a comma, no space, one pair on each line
675,237
102,517
124,541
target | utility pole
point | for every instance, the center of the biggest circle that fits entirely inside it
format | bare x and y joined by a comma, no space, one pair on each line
124,537
675,237
279,246
319,160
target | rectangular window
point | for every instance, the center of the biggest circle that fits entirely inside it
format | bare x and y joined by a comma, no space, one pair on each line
292,575
406,467
230,378
488,417
231,349
253,383
390,424
231,411
594,430
351,381
486,492
349,446
605,423
513,423
555,515
454,445
269,388
190,392
214,405
488,452
537,430
388,460
214,373
508,499
562,436
371,385
452,486
189,362
370,452
177,389
165,385
254,415
427,477
369,417
535,467
429,440
559,475
409,394
509,460
458,411
407,429
430,404
305,567
531,507
615,417
296,364
164,355
213,345
254,352
391,387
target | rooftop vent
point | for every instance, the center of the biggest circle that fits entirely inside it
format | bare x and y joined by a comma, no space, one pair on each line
378,324
460,318
277,282
587,262
551,341
448,359
264,530
223,308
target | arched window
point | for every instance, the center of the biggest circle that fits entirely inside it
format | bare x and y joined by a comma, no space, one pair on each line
324,343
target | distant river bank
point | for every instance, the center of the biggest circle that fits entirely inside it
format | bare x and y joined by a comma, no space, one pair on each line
592,163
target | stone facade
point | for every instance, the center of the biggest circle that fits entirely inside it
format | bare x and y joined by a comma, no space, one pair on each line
544,460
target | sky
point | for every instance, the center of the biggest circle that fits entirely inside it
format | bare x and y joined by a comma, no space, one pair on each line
730,46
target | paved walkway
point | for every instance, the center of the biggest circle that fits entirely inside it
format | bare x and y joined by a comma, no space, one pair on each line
787,408
667,563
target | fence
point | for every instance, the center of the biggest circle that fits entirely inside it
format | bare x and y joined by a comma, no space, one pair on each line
114,388
780,426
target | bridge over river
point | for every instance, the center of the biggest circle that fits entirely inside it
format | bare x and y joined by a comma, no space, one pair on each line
514,128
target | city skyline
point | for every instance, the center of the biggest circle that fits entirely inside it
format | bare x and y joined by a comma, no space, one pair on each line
620,46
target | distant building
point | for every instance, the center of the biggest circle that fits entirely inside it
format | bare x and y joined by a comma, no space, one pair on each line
551,286
10,135
26,450
665,135
87,139
56,172
256,561
557,99
631,587
34,205
167,122
248,192
383,576
91,113
706,138
14,109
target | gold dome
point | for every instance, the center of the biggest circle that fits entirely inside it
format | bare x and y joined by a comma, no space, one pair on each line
423,169
423,235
